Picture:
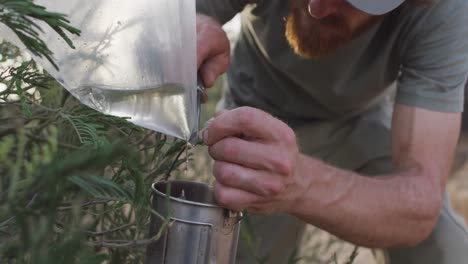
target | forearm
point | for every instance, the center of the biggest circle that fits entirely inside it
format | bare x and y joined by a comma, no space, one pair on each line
385,211
258,168
222,10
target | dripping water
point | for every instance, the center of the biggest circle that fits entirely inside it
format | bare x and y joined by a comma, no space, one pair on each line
188,147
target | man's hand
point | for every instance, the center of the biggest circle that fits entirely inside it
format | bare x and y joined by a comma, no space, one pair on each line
258,168
213,50
255,161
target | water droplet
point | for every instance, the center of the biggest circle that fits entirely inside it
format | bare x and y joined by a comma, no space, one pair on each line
186,159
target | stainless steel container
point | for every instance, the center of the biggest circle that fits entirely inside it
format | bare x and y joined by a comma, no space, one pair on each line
199,231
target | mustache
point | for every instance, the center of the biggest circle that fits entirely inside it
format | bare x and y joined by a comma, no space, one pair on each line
300,8
311,37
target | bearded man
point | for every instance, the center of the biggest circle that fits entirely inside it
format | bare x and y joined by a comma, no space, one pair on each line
313,131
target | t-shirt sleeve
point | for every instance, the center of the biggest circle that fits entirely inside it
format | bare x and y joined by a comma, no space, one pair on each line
223,10
435,59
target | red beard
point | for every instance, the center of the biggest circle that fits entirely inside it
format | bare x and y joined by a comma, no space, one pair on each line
313,38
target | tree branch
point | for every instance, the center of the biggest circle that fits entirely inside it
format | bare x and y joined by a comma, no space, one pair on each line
85,205
105,232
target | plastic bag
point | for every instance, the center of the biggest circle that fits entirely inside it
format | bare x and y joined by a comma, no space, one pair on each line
134,58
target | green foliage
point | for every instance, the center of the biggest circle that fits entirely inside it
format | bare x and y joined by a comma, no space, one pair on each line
63,182
20,15
102,188
65,190
74,183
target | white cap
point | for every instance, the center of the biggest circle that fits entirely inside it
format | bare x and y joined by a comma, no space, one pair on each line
376,7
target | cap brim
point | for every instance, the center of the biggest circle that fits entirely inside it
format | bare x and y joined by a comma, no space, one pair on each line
376,7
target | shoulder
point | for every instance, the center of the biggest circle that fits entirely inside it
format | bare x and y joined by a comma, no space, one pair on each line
434,14
436,26
434,54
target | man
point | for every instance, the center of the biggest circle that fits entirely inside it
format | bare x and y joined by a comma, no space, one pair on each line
316,134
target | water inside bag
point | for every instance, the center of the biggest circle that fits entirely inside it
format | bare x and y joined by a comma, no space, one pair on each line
134,59
143,105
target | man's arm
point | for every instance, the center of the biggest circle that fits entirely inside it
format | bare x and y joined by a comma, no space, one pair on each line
399,209
258,168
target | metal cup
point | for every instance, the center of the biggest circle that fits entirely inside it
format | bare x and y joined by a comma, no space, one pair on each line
199,231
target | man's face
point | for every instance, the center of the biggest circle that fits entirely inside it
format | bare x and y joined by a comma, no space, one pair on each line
336,23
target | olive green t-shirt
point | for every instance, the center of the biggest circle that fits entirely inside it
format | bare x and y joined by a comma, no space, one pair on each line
340,105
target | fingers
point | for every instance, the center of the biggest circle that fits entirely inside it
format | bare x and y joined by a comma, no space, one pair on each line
208,122
213,49
235,199
255,160
211,39
253,155
249,180
212,68
250,123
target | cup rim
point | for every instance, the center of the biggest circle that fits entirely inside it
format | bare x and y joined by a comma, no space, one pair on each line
184,201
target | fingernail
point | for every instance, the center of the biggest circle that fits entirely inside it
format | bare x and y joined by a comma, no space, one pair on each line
204,130
205,135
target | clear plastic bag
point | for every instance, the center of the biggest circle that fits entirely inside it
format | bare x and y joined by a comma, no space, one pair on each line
134,58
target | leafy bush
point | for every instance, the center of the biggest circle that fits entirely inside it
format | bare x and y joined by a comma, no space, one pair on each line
74,183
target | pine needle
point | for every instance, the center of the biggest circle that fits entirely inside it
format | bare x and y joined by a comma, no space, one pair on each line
21,17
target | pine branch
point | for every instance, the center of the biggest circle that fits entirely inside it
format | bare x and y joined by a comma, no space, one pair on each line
132,243
85,205
21,15
101,188
102,233
72,180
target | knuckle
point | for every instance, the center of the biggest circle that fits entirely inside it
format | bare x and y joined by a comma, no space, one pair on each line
229,148
276,188
219,39
217,172
244,116
224,39
260,188
267,189
214,126
221,197
214,129
288,136
215,27
225,174
224,65
282,165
